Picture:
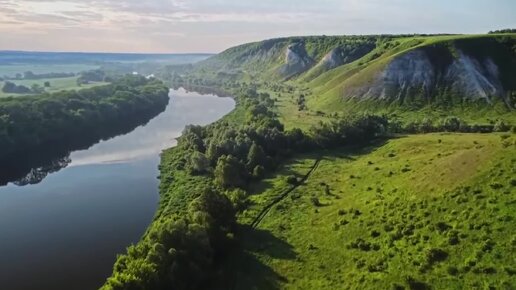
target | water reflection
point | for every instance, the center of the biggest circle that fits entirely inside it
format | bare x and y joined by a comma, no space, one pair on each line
65,231
32,167
37,174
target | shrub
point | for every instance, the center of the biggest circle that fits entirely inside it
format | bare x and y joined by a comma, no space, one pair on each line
435,255
452,270
496,185
442,227
237,198
292,180
487,245
416,285
315,201
501,126
361,244
258,172
451,124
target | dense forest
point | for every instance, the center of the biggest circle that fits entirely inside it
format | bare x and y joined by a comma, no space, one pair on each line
38,121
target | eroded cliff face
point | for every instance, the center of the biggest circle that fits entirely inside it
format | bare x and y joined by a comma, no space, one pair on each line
416,74
297,61
475,79
331,60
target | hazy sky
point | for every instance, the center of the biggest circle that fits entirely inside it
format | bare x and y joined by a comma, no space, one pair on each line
213,25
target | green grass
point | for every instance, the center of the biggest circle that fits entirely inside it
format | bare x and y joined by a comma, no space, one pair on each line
435,209
56,84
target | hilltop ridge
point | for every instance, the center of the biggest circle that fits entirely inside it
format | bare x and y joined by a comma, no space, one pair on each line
393,69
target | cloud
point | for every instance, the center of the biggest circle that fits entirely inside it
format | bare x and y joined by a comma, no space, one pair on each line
212,25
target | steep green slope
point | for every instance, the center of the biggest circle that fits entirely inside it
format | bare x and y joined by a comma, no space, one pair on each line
288,57
432,70
374,72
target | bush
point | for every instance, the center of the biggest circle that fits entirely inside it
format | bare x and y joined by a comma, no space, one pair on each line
258,172
501,126
315,201
292,180
452,270
435,255
451,124
238,198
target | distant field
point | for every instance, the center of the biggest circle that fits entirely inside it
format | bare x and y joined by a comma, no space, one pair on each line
12,70
434,211
58,84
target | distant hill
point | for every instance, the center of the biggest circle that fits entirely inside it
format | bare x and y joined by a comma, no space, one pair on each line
35,57
400,69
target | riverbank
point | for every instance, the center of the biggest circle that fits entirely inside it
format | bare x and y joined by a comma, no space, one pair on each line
80,216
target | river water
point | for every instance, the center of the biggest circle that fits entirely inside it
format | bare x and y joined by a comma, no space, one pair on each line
65,231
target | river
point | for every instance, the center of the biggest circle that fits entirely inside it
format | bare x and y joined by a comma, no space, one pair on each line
65,231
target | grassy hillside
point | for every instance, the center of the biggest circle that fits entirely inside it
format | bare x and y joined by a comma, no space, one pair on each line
330,89
418,212
341,74
263,59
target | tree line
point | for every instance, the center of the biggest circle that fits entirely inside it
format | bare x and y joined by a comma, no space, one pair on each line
37,121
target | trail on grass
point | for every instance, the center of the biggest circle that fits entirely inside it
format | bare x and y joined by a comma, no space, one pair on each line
268,207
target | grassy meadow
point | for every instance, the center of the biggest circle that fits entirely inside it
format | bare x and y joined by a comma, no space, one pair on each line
434,211
56,84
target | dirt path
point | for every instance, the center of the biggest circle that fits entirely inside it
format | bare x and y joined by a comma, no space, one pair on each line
268,207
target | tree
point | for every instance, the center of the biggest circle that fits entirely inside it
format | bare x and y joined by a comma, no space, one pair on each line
47,84
28,75
451,124
258,172
8,87
256,156
230,172
198,163
501,126
37,89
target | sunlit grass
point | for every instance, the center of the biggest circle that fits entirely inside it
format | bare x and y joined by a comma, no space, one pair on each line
435,210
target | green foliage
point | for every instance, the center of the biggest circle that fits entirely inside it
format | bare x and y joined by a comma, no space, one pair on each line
256,157
352,130
178,252
230,172
92,76
32,121
10,87
198,163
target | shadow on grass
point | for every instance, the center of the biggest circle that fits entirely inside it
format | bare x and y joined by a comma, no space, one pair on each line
243,270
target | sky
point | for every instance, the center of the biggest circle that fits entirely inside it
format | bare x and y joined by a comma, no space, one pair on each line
185,26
